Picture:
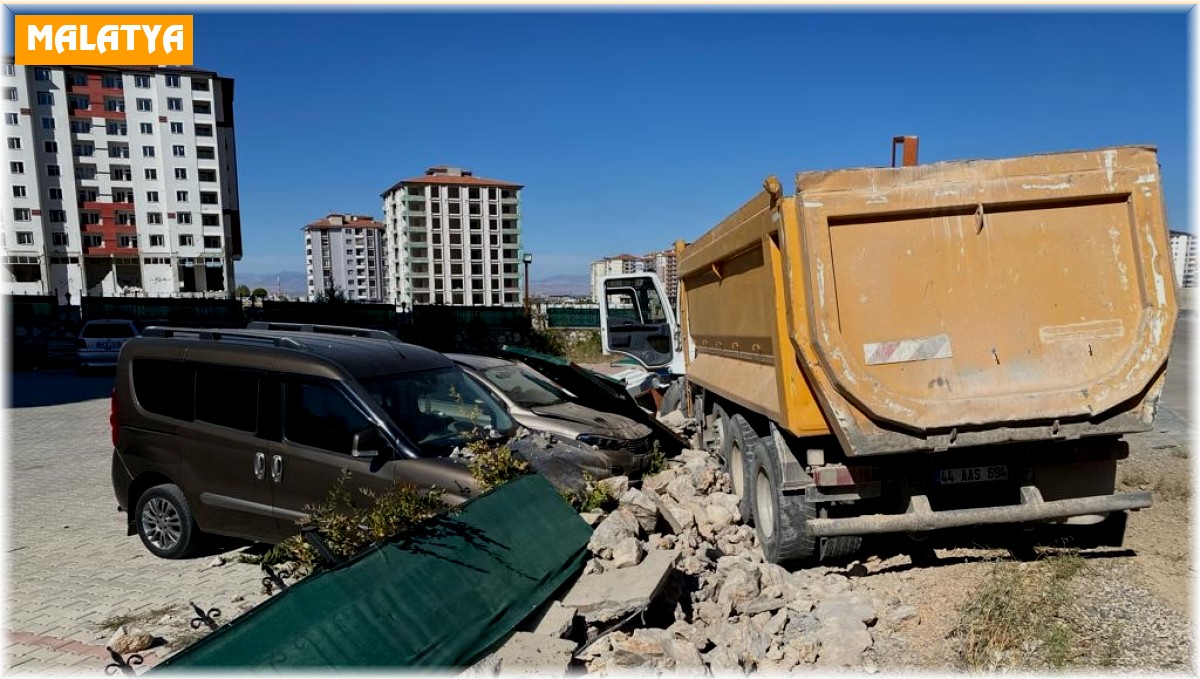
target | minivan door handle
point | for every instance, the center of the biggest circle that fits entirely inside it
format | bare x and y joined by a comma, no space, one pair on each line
260,466
276,467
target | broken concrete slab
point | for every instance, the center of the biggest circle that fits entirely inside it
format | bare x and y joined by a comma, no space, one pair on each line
552,620
527,653
607,596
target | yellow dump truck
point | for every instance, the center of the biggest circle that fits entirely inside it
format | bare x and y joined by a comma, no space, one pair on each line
909,349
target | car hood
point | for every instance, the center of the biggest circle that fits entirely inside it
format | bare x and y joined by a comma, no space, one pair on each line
594,421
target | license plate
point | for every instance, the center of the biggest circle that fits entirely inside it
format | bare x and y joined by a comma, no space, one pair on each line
107,345
946,477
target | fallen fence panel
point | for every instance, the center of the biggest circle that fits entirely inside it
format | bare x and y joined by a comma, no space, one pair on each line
439,596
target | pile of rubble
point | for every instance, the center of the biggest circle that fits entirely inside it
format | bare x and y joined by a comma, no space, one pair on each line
677,583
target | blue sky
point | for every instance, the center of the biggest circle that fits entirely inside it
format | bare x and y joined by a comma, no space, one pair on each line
630,130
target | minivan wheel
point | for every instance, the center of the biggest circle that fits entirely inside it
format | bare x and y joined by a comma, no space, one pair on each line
164,522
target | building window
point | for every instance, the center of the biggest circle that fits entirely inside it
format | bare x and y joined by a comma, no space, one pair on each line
91,240
145,105
199,85
47,123
87,196
41,74
121,174
141,81
10,69
183,218
147,151
60,239
204,131
118,129
18,192
50,146
25,237
205,153
78,103
89,218
172,80
202,107
112,82
55,193
127,241
181,173
56,171
118,151
81,126
146,128
83,149
181,196
45,98
20,214
58,217
152,196
153,218
115,105
14,142
174,104
176,128
10,93
157,240
12,118
185,240
151,173
213,220
16,167
212,242
78,79
122,196
208,198
207,175
179,151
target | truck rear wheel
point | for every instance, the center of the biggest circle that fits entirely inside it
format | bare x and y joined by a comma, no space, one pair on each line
781,521
737,456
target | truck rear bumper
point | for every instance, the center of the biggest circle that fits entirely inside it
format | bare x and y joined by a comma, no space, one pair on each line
920,517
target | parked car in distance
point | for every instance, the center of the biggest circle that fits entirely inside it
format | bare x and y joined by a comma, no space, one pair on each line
539,404
100,342
235,432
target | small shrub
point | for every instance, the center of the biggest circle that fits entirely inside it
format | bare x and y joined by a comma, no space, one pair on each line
595,496
495,466
657,461
347,529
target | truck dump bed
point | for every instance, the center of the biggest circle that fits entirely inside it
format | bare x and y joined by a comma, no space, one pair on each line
944,305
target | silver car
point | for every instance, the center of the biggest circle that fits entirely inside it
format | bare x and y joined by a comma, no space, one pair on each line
100,341
539,404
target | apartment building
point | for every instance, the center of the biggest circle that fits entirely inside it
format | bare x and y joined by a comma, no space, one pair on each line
453,238
345,252
121,181
1183,258
663,262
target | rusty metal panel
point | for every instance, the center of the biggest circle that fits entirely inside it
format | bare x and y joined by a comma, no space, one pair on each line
982,301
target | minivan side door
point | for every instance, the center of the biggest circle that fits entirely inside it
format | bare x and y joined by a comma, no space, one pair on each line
318,421
221,470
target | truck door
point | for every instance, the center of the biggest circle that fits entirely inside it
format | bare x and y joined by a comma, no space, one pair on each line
636,320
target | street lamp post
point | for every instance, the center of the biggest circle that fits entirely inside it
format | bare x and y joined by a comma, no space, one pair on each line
528,259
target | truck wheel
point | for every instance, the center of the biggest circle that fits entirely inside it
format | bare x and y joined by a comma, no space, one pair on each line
781,521
738,461
720,431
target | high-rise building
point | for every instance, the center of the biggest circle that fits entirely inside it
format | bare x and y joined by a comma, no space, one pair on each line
345,252
453,238
663,263
120,181
1183,258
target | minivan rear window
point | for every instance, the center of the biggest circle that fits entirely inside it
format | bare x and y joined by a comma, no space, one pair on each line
107,330
227,397
164,387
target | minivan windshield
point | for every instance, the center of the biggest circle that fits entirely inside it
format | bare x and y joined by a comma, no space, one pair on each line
439,410
525,387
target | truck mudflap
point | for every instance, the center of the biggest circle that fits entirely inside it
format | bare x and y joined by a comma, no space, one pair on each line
920,517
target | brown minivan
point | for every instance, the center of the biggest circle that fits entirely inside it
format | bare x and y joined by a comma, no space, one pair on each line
234,432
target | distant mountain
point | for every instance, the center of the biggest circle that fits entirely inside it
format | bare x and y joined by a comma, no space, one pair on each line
563,284
290,283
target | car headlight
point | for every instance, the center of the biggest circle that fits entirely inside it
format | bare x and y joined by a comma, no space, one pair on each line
599,441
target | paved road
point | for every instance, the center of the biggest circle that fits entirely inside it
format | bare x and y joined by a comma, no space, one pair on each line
71,566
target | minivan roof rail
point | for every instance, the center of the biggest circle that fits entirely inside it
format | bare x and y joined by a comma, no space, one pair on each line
219,335
325,329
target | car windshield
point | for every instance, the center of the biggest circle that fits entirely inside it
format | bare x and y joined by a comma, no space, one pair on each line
524,386
107,331
440,409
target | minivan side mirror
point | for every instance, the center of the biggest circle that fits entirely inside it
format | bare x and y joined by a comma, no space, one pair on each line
368,443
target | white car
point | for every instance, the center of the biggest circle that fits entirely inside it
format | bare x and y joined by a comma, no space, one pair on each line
100,341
